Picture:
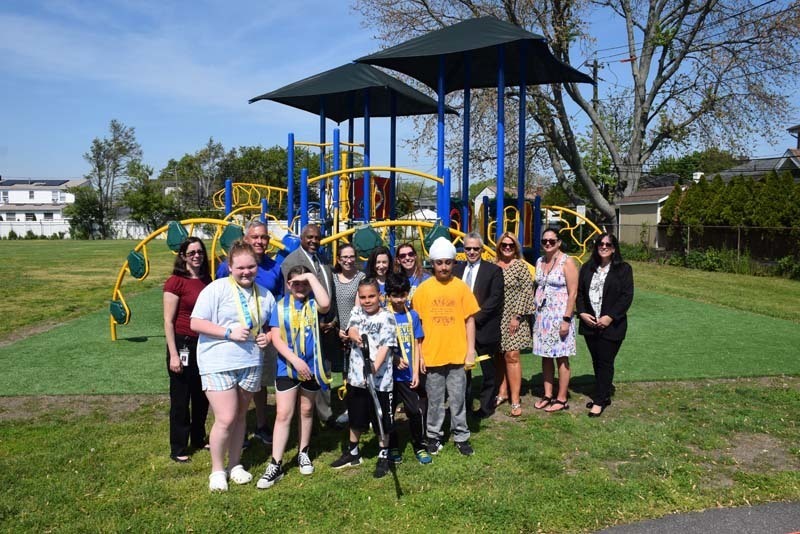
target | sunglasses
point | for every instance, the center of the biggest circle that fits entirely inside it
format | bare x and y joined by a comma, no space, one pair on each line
507,245
472,249
443,262
604,244
193,253
406,255
549,242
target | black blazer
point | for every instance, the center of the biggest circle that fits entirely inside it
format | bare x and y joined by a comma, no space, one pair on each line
488,291
617,298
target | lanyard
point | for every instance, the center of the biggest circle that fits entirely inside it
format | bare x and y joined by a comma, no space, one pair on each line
294,323
404,354
245,312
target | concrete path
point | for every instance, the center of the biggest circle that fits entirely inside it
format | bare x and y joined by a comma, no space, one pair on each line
772,518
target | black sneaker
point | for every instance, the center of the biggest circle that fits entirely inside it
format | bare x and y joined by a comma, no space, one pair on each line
382,467
464,448
272,475
434,446
347,460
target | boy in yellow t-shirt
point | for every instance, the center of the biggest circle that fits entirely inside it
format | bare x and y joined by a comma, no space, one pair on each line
446,305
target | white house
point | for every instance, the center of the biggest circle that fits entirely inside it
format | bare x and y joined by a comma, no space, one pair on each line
38,203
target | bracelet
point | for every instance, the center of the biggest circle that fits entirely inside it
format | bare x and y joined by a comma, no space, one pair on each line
228,334
567,319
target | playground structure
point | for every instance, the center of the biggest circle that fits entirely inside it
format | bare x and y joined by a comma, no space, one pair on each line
359,207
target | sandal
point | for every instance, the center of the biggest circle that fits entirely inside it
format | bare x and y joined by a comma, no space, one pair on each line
542,403
499,400
562,405
516,410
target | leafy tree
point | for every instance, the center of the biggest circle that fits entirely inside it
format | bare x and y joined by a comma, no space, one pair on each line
146,200
705,71
108,159
84,213
709,161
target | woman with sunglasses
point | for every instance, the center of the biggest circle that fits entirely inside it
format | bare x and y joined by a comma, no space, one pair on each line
188,405
407,263
605,292
553,330
515,328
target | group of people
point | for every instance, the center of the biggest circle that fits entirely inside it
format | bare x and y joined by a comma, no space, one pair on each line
398,334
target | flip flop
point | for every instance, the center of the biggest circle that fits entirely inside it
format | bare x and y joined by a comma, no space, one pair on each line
546,400
562,405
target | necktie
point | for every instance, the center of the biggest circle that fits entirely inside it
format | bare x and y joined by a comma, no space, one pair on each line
468,278
315,261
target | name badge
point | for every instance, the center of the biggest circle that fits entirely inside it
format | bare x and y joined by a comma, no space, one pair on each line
183,354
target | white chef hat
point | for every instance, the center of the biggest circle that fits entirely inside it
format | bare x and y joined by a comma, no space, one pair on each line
442,249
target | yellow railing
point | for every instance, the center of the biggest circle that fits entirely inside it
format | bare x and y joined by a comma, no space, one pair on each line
247,194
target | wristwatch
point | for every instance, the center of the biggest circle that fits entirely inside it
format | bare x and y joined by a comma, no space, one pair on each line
567,318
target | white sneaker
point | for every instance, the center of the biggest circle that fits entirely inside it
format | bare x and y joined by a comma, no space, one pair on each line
303,460
240,476
218,481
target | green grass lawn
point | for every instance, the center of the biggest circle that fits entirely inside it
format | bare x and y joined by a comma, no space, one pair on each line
694,424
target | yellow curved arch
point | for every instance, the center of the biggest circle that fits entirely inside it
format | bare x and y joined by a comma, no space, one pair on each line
245,194
116,293
571,228
400,170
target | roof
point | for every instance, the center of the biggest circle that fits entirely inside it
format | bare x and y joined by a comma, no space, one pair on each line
470,50
652,195
757,168
41,183
341,93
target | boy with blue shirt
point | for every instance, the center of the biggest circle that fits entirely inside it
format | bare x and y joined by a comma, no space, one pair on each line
406,359
379,326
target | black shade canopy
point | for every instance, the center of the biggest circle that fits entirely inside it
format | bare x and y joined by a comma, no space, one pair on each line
481,37
342,91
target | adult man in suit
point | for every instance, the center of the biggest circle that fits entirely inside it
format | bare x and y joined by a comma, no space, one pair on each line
486,282
308,255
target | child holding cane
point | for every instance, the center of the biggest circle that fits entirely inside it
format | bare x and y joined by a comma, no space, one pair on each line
378,326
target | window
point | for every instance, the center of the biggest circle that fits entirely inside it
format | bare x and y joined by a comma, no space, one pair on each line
30,195
30,217
4,197
48,216
55,197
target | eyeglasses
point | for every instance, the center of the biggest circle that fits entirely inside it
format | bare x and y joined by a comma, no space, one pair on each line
348,258
443,262
605,244
549,242
472,249
193,253
411,254
507,245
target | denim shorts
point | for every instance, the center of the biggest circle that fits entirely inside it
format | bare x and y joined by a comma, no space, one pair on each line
247,378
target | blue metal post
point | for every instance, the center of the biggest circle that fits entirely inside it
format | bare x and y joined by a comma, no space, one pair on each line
465,227
290,181
264,210
228,196
501,139
303,197
445,216
322,203
366,208
485,210
440,123
521,147
337,166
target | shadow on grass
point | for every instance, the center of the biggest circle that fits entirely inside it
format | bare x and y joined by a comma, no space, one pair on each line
140,339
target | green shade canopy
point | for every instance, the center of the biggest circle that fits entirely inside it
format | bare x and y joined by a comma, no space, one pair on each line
478,40
342,89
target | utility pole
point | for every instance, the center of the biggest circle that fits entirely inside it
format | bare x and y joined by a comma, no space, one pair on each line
595,105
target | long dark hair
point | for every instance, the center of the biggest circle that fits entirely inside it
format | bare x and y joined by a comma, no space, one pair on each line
398,267
616,256
180,269
373,258
338,267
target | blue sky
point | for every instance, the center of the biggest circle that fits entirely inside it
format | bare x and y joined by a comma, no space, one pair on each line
179,72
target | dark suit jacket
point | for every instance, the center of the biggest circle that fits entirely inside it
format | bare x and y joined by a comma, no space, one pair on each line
299,257
488,291
617,298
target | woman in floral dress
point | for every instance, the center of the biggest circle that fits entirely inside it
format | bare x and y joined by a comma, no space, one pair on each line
553,330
